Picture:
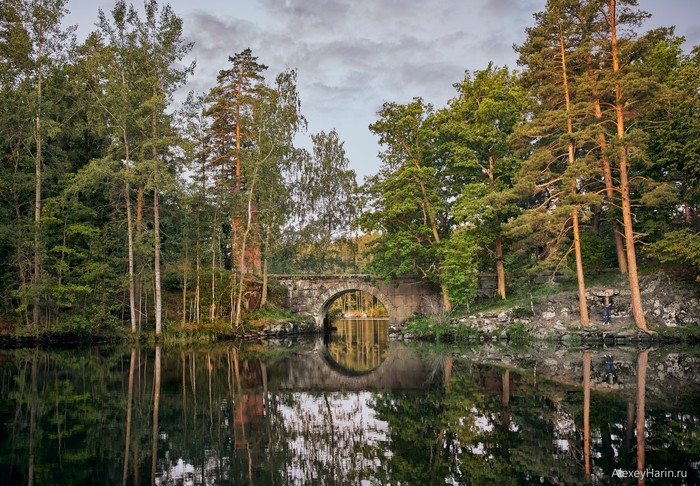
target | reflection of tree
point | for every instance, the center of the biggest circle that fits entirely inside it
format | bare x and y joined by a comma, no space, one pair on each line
641,408
359,345
225,416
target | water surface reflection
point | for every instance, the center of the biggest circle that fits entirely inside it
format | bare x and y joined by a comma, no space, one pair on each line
265,414
358,345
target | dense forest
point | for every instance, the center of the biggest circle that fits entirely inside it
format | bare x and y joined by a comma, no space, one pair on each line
115,198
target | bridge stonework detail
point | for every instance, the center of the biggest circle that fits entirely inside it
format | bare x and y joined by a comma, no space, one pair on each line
311,295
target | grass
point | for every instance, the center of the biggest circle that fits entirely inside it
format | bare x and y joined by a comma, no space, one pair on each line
525,297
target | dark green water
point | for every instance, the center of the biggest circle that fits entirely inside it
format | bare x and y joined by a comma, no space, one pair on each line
274,414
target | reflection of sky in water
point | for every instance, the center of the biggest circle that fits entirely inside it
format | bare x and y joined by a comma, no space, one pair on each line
346,420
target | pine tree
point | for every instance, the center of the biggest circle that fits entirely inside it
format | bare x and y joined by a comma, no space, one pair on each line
554,168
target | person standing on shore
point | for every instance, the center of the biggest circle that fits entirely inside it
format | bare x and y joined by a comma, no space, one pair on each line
607,307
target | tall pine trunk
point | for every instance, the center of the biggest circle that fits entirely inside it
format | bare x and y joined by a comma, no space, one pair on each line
500,272
636,296
156,259
582,307
607,170
130,237
156,232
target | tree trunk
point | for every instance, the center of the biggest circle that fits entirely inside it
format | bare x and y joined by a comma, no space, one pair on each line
129,399
137,257
607,173
641,391
184,286
688,213
583,308
609,192
263,297
587,412
32,418
37,201
582,304
500,273
243,245
212,309
636,296
156,222
156,259
156,405
505,400
130,237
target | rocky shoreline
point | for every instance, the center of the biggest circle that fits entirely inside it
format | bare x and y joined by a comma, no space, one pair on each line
673,315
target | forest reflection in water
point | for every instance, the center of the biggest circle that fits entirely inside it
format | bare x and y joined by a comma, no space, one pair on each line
358,345
272,414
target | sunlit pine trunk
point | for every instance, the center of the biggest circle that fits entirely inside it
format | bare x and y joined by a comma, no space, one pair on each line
156,258
500,272
607,170
607,176
582,307
156,226
636,296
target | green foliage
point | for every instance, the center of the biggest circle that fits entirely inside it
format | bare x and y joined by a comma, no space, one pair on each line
459,267
680,247
486,179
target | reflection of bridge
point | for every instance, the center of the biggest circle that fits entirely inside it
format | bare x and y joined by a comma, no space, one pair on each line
311,295
316,371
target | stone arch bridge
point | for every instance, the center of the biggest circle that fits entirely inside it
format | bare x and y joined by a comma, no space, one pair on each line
312,295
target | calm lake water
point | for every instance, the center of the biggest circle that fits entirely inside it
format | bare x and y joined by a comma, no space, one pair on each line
353,408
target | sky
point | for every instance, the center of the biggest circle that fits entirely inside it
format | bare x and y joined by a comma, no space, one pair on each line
352,56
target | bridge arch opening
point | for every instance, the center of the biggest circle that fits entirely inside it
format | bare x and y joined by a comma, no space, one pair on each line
326,301
358,319
354,304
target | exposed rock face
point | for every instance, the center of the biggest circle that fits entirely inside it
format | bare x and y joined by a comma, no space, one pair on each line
668,303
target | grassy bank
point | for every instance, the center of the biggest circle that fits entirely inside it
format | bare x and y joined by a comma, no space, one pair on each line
258,324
